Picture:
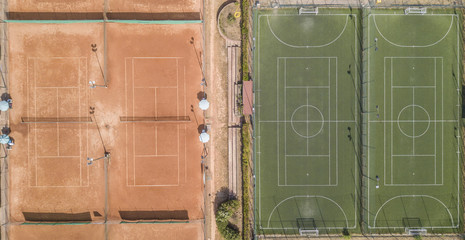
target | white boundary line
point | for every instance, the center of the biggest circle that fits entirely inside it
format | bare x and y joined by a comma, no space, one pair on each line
134,155
310,196
393,87
458,120
412,196
306,46
36,157
258,128
286,122
414,46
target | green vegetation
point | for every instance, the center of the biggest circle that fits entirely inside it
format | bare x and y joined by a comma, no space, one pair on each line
231,17
223,214
245,14
245,181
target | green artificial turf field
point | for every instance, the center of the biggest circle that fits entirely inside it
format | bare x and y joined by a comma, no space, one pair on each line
307,121
414,113
323,164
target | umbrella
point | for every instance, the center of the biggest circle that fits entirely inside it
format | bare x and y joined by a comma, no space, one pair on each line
4,139
4,106
204,137
204,104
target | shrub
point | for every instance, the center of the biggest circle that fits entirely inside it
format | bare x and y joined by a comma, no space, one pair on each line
244,38
245,181
231,17
224,212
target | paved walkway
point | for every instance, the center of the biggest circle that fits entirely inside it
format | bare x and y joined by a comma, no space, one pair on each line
4,211
234,120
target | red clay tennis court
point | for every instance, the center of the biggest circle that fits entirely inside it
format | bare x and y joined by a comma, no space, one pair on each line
147,118
175,231
98,6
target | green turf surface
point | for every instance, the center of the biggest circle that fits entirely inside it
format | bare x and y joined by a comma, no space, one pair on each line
414,114
306,121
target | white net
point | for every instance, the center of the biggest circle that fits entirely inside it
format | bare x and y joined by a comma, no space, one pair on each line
308,10
304,232
416,231
412,10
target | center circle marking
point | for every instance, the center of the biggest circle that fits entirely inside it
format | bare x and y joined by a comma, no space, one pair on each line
418,108
307,121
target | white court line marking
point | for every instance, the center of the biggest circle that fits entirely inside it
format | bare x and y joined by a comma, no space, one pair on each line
258,128
305,46
413,113
298,87
309,196
442,132
258,113
277,118
306,97
133,128
307,155
384,123
34,90
285,118
59,87
28,127
126,112
410,121
413,87
413,155
458,122
155,87
392,127
322,122
57,156
58,125
413,196
79,114
315,121
134,155
329,116
413,136
285,104
413,46
435,123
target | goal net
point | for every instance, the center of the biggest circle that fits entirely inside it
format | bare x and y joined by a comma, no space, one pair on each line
308,10
307,227
304,232
414,10
416,231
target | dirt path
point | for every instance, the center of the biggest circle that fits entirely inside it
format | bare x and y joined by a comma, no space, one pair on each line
217,116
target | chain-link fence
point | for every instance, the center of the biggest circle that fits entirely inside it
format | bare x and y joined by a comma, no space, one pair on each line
358,3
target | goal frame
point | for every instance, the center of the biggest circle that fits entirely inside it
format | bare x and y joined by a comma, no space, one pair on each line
415,10
308,232
416,231
308,10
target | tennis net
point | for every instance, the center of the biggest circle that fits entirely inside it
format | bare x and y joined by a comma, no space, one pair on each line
56,119
166,119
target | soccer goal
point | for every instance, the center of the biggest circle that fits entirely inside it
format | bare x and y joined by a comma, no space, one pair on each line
307,227
308,10
308,233
416,231
414,10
